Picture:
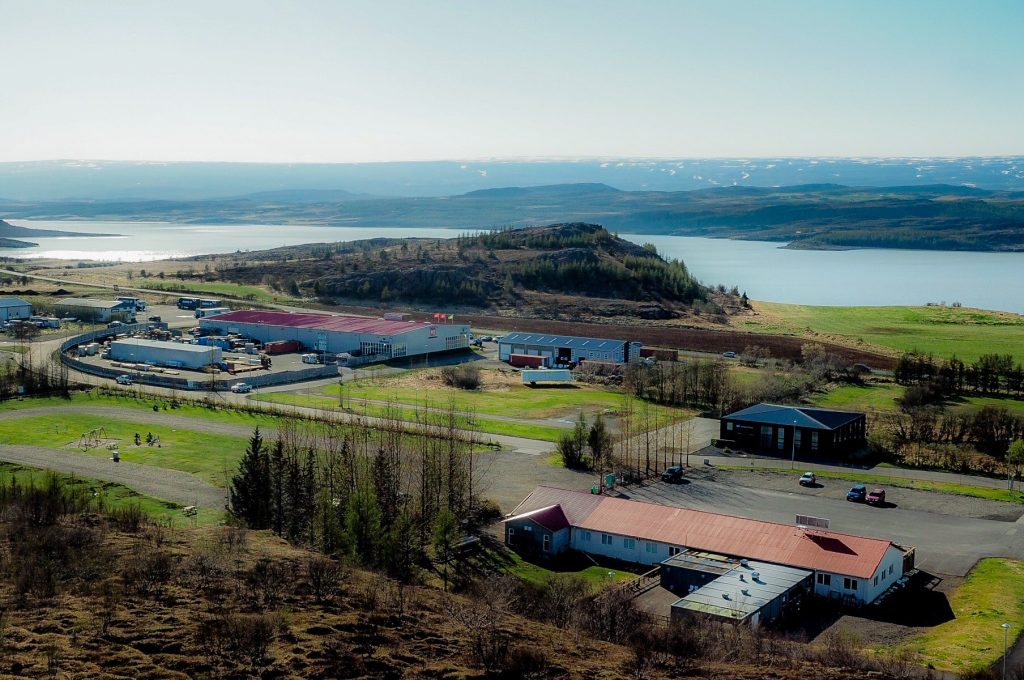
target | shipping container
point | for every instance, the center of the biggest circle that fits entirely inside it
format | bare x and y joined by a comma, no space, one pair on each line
282,347
525,360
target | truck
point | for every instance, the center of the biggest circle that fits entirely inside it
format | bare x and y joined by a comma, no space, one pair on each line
204,312
139,303
188,303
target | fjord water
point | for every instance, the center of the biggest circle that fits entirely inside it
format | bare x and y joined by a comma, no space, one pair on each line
766,271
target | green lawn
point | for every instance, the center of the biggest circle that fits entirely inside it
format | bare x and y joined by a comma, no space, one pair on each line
943,331
114,495
212,457
992,594
872,397
538,575
484,425
235,290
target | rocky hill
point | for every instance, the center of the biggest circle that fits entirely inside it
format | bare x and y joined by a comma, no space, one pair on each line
572,270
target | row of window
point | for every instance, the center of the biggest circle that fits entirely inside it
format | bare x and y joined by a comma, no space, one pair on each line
826,580
627,543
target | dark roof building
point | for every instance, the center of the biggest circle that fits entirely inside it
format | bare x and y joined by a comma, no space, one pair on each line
795,431
567,350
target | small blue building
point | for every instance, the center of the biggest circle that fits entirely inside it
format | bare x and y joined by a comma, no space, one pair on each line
567,350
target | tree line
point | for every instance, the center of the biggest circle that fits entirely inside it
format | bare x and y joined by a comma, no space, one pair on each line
989,374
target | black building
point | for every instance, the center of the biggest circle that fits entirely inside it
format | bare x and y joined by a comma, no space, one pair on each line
795,431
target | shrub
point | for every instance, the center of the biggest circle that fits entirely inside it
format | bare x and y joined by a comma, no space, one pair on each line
464,377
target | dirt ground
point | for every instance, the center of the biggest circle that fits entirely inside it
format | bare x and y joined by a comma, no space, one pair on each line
908,499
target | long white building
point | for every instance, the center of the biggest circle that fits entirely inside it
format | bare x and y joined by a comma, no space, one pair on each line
845,567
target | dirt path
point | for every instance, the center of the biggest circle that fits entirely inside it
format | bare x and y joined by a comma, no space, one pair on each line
169,485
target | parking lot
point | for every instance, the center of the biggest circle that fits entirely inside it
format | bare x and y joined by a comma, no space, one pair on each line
950,532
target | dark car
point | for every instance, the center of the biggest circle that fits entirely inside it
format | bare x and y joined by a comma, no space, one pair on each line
156,319
672,475
876,497
857,493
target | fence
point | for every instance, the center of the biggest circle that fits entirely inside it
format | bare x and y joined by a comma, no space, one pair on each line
177,383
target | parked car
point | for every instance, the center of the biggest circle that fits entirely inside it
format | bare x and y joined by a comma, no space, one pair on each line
114,324
155,319
729,355
672,475
241,388
808,479
876,497
124,379
857,493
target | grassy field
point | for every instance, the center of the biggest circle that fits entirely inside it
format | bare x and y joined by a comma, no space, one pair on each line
992,594
538,575
235,290
114,495
943,331
872,397
209,456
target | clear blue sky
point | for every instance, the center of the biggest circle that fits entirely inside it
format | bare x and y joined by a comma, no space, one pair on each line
337,81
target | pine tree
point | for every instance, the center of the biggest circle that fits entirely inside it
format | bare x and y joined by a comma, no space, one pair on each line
250,487
446,536
363,524
400,551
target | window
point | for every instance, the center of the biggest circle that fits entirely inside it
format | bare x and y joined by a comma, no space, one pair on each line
728,426
824,579
797,438
547,542
629,543
511,533
585,536
606,539
527,528
814,441
672,550
652,547
780,437
876,580
850,584
890,569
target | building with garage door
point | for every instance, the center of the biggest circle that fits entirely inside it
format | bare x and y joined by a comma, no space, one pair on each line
795,431
360,336
853,569
12,309
162,353
566,350
95,311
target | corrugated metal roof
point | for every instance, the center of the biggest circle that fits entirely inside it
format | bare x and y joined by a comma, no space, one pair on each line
736,594
163,344
604,344
725,534
809,418
85,302
12,302
320,322
551,518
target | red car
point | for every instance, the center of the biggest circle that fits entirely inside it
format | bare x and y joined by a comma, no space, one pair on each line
875,497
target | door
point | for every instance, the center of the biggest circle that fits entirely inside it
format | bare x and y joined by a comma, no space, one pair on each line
766,436
547,543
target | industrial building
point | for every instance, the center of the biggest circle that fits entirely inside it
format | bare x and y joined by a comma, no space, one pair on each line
96,311
551,521
795,430
566,350
371,339
12,309
161,353
738,591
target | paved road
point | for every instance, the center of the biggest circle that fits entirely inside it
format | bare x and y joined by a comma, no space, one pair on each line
946,544
169,485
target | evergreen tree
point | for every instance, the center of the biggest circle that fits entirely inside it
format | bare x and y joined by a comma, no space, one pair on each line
446,536
600,441
250,487
400,551
277,499
363,524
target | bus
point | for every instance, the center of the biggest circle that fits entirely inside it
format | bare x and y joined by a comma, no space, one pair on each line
188,303
207,303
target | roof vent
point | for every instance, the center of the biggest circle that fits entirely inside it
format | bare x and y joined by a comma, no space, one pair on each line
745,592
743,578
744,563
725,596
756,575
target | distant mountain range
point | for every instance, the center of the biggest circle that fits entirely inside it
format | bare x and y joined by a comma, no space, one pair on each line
940,217
120,180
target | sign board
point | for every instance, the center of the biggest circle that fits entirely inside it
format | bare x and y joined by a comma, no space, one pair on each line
433,331
808,522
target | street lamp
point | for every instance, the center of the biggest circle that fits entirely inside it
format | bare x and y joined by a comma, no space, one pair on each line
1006,634
792,449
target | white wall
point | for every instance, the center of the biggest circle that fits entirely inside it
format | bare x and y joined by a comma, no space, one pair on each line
866,591
618,549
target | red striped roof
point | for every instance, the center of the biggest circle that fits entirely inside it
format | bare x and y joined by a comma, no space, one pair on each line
320,322
712,532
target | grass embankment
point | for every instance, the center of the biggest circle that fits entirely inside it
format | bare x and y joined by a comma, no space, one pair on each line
880,397
233,290
538,575
992,594
875,479
113,495
208,455
942,331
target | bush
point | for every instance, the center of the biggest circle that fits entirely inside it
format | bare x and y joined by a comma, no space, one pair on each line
464,377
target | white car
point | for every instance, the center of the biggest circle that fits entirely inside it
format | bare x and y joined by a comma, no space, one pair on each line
808,479
241,388
124,379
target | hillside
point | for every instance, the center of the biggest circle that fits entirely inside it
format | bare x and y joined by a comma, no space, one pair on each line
813,216
568,271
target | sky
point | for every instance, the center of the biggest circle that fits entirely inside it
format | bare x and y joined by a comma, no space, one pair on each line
334,81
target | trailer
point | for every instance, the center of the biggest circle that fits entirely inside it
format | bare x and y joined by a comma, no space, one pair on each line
526,361
282,347
188,303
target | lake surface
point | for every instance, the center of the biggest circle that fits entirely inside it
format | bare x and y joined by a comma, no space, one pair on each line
764,270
